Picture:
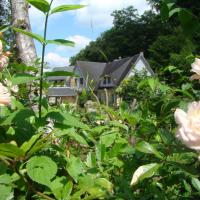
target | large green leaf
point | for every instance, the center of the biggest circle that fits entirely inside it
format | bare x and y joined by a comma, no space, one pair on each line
26,146
72,135
63,8
41,5
61,42
6,192
145,171
67,190
108,139
100,152
145,147
10,150
22,78
67,119
41,169
104,183
74,167
5,179
18,117
61,188
32,35
196,184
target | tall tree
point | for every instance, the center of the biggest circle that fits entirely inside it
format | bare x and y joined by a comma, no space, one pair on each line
130,34
25,45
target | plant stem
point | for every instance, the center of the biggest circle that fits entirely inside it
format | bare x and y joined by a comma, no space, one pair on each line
42,63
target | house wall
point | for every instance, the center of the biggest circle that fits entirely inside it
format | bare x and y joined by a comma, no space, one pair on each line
101,94
139,66
71,99
58,100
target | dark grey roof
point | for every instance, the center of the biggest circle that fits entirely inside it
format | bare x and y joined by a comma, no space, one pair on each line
117,69
67,69
114,65
61,92
91,71
57,78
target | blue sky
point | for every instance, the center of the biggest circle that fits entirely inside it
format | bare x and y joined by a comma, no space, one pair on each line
76,25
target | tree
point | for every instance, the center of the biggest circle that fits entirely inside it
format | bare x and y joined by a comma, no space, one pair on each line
25,45
130,35
4,7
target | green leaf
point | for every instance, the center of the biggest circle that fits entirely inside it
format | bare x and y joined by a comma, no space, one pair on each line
174,11
74,167
32,35
118,124
61,188
61,42
5,179
59,73
196,184
67,190
41,5
22,78
63,8
91,160
26,146
145,171
10,150
145,147
6,192
164,11
108,139
72,134
4,28
100,152
41,169
153,83
18,116
67,119
104,183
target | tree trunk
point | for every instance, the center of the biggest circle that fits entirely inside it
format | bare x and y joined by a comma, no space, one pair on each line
25,45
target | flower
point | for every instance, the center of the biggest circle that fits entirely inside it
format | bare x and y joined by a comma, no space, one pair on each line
1,47
189,125
3,61
5,98
196,69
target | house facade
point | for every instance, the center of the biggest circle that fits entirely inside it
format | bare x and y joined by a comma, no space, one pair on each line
102,78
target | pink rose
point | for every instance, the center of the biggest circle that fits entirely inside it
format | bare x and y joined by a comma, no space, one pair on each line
5,98
3,61
196,69
189,125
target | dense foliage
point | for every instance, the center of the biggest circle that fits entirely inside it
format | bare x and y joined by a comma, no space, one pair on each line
64,152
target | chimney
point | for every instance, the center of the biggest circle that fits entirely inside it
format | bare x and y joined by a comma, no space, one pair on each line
141,53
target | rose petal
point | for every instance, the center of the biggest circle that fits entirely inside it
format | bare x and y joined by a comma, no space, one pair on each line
195,77
180,116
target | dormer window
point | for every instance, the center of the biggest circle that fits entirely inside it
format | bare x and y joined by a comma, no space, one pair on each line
106,80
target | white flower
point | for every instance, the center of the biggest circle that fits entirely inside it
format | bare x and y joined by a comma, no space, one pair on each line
3,61
196,69
189,125
5,98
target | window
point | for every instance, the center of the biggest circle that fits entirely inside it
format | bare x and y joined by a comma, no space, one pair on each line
106,80
81,81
